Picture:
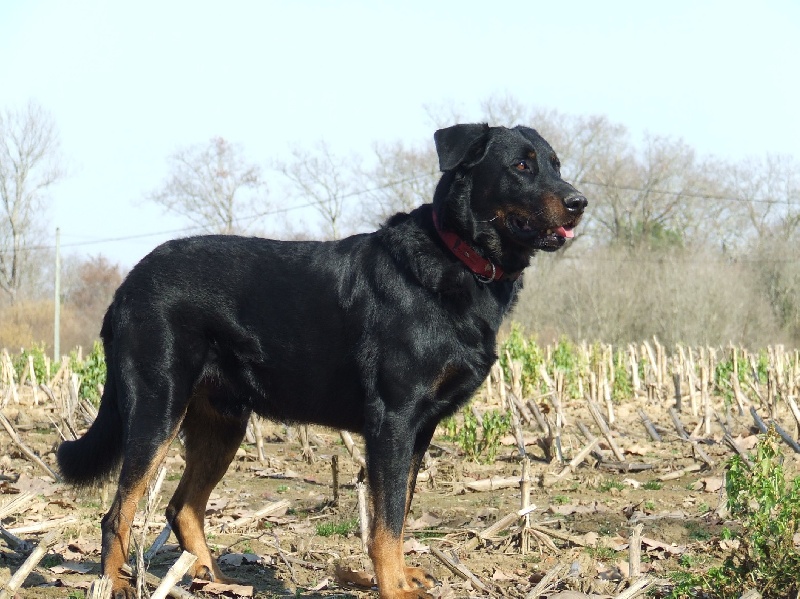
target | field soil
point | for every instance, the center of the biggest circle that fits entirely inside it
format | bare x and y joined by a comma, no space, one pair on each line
582,520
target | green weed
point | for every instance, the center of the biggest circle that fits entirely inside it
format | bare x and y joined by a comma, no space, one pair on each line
92,372
608,485
526,351
479,443
39,363
622,389
768,510
343,528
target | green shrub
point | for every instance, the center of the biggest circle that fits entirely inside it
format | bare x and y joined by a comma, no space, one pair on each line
528,353
39,362
768,510
92,372
479,443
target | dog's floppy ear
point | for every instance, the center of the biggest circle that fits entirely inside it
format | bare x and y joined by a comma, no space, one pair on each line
456,144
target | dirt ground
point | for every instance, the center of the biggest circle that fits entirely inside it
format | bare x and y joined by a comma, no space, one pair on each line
582,519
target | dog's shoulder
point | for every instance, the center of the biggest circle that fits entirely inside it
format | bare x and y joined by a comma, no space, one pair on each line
411,241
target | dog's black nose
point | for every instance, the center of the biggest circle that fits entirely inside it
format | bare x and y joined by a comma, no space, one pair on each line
576,203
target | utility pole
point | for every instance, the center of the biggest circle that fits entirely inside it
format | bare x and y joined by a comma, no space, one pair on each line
57,302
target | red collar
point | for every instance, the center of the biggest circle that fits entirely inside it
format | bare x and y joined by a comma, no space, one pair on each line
485,270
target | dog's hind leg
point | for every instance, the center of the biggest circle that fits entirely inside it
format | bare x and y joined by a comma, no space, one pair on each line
143,456
211,442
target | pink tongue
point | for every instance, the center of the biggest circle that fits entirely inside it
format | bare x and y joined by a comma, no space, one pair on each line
566,233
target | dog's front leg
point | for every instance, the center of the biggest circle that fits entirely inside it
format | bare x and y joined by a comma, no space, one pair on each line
392,460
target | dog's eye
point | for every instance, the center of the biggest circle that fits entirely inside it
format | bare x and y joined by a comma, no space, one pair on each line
522,165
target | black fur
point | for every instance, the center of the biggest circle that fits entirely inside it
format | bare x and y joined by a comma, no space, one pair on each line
383,334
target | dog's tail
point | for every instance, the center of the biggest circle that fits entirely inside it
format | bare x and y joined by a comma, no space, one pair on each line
99,451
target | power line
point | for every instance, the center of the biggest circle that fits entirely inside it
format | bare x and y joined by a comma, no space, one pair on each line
356,193
199,228
685,194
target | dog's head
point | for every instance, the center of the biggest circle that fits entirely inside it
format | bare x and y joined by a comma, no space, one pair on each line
502,190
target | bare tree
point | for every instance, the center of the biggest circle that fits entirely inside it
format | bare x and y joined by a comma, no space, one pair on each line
657,192
30,162
402,178
768,191
324,180
213,186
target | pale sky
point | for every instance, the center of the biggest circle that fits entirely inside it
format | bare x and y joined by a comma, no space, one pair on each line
129,82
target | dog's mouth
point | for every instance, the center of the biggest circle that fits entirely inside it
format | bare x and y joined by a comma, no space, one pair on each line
536,236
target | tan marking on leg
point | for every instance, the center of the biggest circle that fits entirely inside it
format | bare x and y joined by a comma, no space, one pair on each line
415,577
125,504
211,443
386,553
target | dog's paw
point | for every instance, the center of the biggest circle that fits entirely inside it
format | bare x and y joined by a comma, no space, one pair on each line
123,591
212,574
419,578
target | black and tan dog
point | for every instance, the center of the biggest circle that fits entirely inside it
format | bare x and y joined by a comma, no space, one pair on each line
383,334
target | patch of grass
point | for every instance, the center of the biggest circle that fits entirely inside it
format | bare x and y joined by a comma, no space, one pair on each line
342,528
653,485
608,485
697,532
601,553
48,561
687,560
423,535
560,499
650,506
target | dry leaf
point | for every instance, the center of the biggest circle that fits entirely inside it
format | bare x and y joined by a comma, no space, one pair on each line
747,442
498,574
571,508
712,484
40,485
624,567
445,591
63,502
729,544
673,549
347,576
72,568
590,538
426,520
224,590
216,505
412,545
322,584
636,449
237,559
84,547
